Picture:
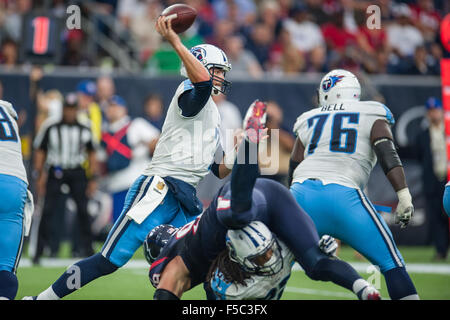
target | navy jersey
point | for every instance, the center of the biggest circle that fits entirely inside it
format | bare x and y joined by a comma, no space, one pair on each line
199,242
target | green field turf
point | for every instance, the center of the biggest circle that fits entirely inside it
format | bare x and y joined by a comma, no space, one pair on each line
132,283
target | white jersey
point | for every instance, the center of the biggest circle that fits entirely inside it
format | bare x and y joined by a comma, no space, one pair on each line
337,142
186,146
257,287
11,161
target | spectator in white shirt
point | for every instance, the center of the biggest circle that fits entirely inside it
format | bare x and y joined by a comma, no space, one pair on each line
305,34
403,37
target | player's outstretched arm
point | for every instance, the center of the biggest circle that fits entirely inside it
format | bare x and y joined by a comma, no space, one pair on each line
194,68
383,145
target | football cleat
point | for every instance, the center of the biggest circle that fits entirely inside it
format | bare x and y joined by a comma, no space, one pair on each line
255,121
369,293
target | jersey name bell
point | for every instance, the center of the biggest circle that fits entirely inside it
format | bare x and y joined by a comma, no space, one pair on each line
337,144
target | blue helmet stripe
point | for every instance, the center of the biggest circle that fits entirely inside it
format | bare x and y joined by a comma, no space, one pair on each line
255,243
263,238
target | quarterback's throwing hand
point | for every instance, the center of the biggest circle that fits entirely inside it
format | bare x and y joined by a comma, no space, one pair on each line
164,28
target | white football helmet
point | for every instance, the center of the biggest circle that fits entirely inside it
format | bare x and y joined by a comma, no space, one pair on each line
338,85
212,57
247,244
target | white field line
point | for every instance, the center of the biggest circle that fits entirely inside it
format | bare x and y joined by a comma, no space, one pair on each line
138,264
324,293
410,267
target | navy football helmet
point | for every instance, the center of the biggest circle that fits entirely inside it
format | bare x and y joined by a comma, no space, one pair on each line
156,240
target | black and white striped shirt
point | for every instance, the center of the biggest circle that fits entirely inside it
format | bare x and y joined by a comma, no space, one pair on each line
66,145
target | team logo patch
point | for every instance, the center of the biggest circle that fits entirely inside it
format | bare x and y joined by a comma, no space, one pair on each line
199,53
329,83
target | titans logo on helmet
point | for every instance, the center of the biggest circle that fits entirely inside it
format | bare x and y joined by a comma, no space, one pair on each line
331,82
199,53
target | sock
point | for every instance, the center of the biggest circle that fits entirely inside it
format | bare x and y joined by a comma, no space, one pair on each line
80,274
8,285
364,290
400,285
163,294
48,294
336,271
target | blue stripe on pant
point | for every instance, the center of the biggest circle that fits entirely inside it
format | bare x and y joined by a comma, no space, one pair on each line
127,236
347,214
13,196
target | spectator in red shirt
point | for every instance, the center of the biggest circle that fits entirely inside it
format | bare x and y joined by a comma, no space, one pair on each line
341,44
373,45
426,19
336,36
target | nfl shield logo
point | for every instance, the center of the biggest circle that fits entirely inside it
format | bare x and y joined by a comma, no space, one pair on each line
160,185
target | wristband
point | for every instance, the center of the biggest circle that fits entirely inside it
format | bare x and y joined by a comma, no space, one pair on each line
404,195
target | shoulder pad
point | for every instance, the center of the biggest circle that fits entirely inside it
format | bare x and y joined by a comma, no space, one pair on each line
9,109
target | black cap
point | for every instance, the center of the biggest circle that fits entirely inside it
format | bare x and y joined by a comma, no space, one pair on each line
298,7
71,100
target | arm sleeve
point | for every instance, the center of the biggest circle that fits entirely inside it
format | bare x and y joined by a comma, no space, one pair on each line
233,219
238,211
191,102
218,156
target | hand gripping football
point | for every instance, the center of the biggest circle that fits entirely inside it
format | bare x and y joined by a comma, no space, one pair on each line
182,15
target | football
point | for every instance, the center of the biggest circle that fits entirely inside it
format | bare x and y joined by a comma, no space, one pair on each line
183,16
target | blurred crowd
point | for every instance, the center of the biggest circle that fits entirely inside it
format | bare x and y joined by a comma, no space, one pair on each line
276,38
117,150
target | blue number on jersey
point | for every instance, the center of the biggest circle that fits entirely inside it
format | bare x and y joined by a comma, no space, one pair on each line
351,135
277,292
321,119
7,132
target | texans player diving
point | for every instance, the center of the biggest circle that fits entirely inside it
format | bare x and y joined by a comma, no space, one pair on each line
243,270
184,154
186,258
337,146
16,202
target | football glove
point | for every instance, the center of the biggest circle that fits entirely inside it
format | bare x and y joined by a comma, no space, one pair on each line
328,245
405,208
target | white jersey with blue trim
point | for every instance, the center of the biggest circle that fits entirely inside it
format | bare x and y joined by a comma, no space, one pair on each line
257,287
337,142
186,146
11,161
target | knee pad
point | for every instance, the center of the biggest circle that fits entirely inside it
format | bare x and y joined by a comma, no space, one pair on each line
8,285
163,294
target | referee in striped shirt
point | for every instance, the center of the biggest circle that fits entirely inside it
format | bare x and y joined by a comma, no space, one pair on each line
62,148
